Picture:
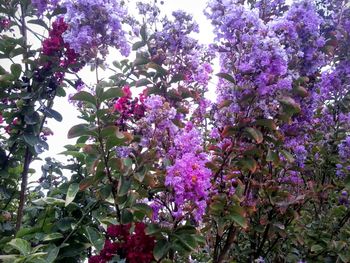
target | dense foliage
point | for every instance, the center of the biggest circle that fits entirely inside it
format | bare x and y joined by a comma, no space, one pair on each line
160,172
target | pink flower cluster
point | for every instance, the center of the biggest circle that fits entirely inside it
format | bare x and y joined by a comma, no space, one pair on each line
129,107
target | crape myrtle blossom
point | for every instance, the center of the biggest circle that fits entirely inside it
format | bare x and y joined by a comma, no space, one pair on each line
174,46
270,9
93,25
269,55
129,108
42,6
190,179
5,24
188,176
299,32
334,89
56,53
157,126
343,168
255,58
134,246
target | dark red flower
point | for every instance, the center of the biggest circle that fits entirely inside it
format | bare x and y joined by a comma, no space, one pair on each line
136,247
97,259
119,231
140,246
59,52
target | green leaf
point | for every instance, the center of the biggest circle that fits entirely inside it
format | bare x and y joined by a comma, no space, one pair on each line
128,162
52,254
143,32
289,105
94,237
2,71
39,22
16,70
268,123
80,156
316,248
139,61
50,113
49,201
161,249
23,246
347,182
237,215
138,45
187,242
111,94
160,70
27,231
144,208
32,118
53,236
73,189
177,78
78,130
9,257
30,139
60,92
186,229
153,229
272,157
124,185
109,131
248,163
84,96
301,91
142,82
255,134
65,223
126,216
289,157
226,76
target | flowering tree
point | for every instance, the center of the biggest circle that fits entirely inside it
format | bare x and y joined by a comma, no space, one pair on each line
159,172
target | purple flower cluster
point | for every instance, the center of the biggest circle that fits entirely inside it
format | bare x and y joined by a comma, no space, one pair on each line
334,88
157,127
174,35
174,46
188,177
344,149
292,178
253,55
344,198
299,31
334,85
123,151
269,9
42,6
343,168
95,25
186,141
190,180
